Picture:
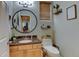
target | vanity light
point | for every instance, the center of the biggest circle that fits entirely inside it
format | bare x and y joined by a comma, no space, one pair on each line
25,3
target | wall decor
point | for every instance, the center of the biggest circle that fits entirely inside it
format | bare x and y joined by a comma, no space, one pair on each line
71,12
56,9
27,21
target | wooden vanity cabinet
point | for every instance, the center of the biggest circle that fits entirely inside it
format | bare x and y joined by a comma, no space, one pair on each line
30,50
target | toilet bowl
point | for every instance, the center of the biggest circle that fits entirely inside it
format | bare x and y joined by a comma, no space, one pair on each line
51,50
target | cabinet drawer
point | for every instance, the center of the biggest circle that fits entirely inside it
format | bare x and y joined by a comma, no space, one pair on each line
36,45
13,47
14,54
34,53
30,53
38,53
24,47
25,53
20,53
17,54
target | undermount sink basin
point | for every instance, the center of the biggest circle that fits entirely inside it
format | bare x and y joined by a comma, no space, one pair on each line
25,41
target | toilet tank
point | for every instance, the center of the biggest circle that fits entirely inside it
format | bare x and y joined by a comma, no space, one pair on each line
46,42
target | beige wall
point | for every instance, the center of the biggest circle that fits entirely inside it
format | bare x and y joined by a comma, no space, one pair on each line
67,31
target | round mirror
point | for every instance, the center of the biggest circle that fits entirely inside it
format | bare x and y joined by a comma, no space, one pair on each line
24,21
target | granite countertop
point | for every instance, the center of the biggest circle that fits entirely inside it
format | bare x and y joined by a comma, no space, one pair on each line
34,41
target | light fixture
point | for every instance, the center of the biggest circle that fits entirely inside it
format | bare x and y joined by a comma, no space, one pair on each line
25,3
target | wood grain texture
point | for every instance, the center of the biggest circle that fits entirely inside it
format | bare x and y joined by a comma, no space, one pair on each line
45,10
32,50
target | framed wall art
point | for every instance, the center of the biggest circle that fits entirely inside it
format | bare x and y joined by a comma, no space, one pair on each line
71,12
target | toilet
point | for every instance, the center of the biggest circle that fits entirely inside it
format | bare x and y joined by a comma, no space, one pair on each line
51,50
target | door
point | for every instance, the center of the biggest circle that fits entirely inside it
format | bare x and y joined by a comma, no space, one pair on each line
4,30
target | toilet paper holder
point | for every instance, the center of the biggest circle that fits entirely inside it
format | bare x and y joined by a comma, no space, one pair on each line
43,26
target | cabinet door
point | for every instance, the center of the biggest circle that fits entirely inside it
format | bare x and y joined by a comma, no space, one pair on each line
13,51
30,53
24,53
34,53
20,53
38,53
14,54
4,30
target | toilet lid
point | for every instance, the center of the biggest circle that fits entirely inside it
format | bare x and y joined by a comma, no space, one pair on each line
51,49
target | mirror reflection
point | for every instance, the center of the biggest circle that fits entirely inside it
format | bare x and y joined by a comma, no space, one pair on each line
24,21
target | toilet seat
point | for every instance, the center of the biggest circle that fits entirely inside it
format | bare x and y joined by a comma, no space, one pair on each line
51,49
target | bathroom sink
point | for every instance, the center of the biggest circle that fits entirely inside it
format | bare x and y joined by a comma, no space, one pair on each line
25,41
